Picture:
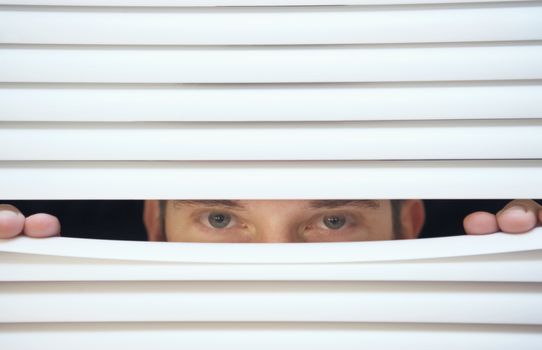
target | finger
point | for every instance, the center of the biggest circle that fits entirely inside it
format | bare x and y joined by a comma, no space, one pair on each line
518,216
11,221
480,223
42,225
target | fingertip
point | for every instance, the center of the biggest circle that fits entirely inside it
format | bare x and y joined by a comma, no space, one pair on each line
11,221
480,223
42,225
517,219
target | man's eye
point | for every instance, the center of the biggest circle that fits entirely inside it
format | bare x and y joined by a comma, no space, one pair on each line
334,222
219,220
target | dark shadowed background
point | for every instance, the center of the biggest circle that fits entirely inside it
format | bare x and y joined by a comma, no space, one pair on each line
122,219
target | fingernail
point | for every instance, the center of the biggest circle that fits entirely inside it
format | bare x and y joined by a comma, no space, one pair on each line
517,208
7,214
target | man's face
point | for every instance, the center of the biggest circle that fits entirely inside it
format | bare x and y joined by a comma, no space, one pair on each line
278,221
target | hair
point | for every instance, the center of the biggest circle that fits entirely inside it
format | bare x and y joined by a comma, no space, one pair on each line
163,208
396,205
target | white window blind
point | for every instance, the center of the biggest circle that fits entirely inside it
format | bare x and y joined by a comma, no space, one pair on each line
446,292
394,88
178,99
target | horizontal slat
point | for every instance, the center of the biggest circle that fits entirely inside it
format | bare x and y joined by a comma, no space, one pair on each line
271,26
271,180
287,102
206,3
346,252
267,336
490,258
355,63
493,139
524,267
207,301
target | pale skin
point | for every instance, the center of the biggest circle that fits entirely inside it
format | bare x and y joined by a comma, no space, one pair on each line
265,221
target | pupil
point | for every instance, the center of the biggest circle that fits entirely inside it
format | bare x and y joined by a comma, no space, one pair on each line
219,220
334,222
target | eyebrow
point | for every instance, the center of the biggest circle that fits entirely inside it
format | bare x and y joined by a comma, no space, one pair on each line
211,203
314,204
331,204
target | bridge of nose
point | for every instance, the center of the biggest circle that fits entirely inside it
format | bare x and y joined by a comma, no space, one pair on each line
277,230
277,221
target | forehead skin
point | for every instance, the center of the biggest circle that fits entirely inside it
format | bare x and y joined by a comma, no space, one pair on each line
278,221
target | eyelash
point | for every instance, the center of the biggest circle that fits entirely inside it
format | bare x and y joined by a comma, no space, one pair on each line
313,225
350,222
